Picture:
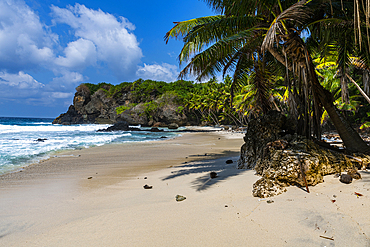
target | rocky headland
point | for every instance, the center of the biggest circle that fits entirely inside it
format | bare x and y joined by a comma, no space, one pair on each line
107,106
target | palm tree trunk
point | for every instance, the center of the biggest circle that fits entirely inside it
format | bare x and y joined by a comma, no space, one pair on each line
344,86
350,137
366,77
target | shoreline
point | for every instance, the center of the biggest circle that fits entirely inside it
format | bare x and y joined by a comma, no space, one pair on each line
60,206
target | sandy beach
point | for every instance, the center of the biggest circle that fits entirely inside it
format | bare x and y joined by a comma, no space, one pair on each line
95,197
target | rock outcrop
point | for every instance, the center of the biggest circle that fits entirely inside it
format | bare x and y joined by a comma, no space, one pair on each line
282,158
100,108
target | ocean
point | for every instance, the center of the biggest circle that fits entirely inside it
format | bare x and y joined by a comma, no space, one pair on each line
24,141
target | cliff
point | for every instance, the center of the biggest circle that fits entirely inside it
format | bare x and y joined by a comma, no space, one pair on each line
111,104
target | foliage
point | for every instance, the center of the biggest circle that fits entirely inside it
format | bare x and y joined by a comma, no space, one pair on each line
123,108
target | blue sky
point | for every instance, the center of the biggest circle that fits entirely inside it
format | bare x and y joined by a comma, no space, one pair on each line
49,47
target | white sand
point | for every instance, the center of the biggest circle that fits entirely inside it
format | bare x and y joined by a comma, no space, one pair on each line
54,204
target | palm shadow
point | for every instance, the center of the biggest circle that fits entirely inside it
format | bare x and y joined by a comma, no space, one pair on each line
205,166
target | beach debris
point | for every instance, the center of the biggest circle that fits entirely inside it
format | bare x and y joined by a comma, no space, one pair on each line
334,196
345,178
213,175
180,198
270,201
226,206
89,177
205,154
145,177
358,194
337,175
229,161
147,187
326,237
333,201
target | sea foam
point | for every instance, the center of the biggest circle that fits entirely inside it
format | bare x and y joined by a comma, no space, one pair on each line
25,140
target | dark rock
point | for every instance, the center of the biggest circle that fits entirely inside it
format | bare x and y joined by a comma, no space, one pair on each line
121,126
345,178
40,140
213,175
155,129
229,161
163,137
147,187
89,177
173,126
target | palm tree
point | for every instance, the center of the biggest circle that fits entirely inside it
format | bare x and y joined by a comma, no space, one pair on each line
243,35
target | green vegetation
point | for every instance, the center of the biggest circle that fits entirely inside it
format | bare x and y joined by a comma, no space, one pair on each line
122,108
270,48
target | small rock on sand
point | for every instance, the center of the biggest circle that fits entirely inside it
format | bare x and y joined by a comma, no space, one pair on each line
147,187
180,198
345,178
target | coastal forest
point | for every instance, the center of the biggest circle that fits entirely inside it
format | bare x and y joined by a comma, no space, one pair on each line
316,52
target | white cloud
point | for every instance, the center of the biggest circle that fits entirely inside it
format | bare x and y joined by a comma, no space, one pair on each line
115,45
61,95
19,81
78,54
67,82
25,42
165,72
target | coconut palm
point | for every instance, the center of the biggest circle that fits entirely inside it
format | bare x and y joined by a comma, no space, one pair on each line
245,32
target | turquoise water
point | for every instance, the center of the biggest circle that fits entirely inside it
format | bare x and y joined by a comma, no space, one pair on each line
19,145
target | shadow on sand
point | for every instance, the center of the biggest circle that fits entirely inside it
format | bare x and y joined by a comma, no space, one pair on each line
211,163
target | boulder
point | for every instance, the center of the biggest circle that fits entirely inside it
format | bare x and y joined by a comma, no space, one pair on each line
121,126
173,126
345,178
282,158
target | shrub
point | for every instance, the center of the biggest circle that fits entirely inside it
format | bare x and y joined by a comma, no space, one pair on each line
123,108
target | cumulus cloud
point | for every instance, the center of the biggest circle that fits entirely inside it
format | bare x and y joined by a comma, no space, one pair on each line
25,42
19,81
97,41
66,82
111,40
18,86
78,54
165,72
